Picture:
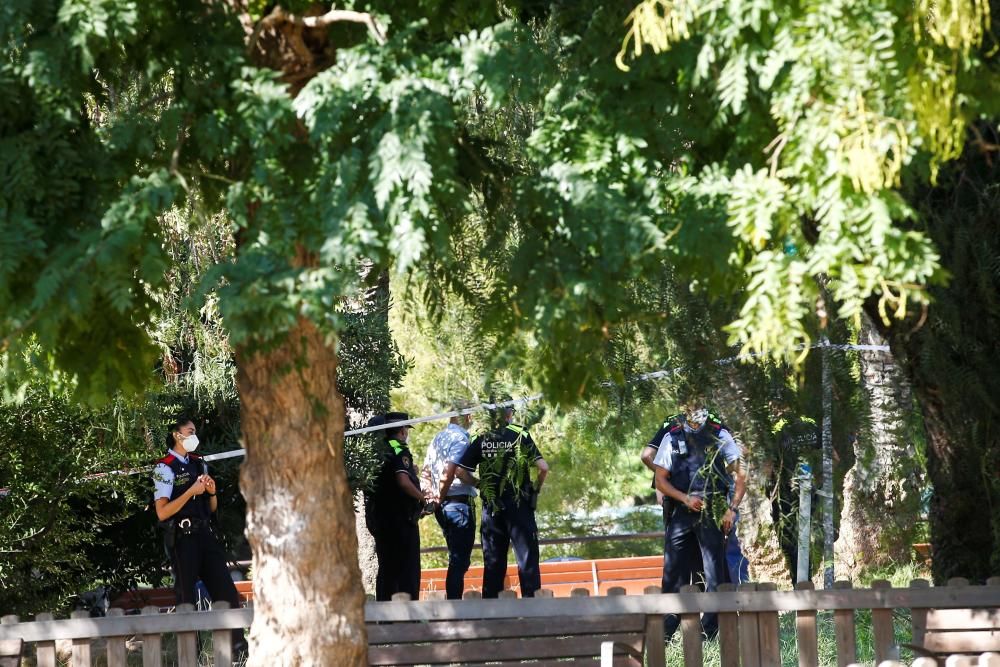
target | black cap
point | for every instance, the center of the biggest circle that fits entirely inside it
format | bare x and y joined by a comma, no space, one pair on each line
376,420
396,417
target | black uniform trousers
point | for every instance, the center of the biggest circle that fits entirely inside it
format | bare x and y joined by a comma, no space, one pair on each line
512,522
397,546
196,555
688,536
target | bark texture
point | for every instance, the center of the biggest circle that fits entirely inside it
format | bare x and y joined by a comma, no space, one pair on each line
308,599
949,355
882,490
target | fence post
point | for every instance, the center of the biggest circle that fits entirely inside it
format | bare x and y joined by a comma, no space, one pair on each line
187,642
116,645
468,595
656,652
46,651
843,625
691,633
805,631
506,594
805,522
81,647
396,597
767,626
152,645
919,616
11,650
222,640
729,633
885,640
749,634
544,593
579,593
616,590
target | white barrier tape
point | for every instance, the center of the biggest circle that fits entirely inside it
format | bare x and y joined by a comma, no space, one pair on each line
655,375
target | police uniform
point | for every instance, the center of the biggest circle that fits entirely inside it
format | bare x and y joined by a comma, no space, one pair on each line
697,464
671,425
394,526
194,551
504,458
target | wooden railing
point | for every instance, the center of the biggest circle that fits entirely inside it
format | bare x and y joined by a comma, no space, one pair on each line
748,622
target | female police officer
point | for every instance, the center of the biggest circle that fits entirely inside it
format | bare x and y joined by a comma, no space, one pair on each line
185,499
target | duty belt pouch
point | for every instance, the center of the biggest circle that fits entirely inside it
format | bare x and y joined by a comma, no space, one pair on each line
169,533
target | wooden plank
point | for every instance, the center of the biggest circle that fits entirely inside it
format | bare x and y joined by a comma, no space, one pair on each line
466,595
152,643
960,661
767,627
80,655
918,613
187,642
525,649
557,626
749,633
883,635
989,659
656,655
691,634
971,641
843,628
10,649
45,651
222,640
805,632
924,662
729,634
963,619
128,625
580,592
116,652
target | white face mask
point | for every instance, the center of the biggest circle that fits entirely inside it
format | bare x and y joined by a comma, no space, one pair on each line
190,443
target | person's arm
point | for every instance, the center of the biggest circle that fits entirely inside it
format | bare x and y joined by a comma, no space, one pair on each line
664,486
735,467
426,478
167,508
446,479
466,476
408,487
647,457
213,502
543,472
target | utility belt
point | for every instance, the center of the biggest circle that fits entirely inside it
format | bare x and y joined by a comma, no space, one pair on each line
190,525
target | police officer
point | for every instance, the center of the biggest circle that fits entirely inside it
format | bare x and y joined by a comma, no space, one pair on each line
504,458
693,469
184,498
456,511
671,424
398,504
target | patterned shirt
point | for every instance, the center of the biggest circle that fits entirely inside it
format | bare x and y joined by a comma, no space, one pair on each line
448,446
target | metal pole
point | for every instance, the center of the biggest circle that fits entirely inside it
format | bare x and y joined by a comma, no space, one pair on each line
805,517
827,491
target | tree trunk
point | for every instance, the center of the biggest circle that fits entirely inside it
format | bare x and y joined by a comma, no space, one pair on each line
948,353
308,602
367,559
885,479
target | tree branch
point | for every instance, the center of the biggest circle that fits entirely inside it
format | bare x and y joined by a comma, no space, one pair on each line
279,15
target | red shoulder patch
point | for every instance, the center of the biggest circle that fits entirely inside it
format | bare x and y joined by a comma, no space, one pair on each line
168,459
194,456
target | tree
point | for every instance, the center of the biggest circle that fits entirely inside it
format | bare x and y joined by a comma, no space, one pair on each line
326,142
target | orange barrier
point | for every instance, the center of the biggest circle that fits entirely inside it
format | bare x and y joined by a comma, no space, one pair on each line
597,576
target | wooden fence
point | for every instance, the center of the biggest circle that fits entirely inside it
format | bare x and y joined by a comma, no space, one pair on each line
748,620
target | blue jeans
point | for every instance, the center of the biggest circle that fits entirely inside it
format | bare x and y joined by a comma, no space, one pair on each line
458,523
736,562
688,535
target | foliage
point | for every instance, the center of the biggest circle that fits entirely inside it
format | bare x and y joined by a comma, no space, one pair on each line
56,512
